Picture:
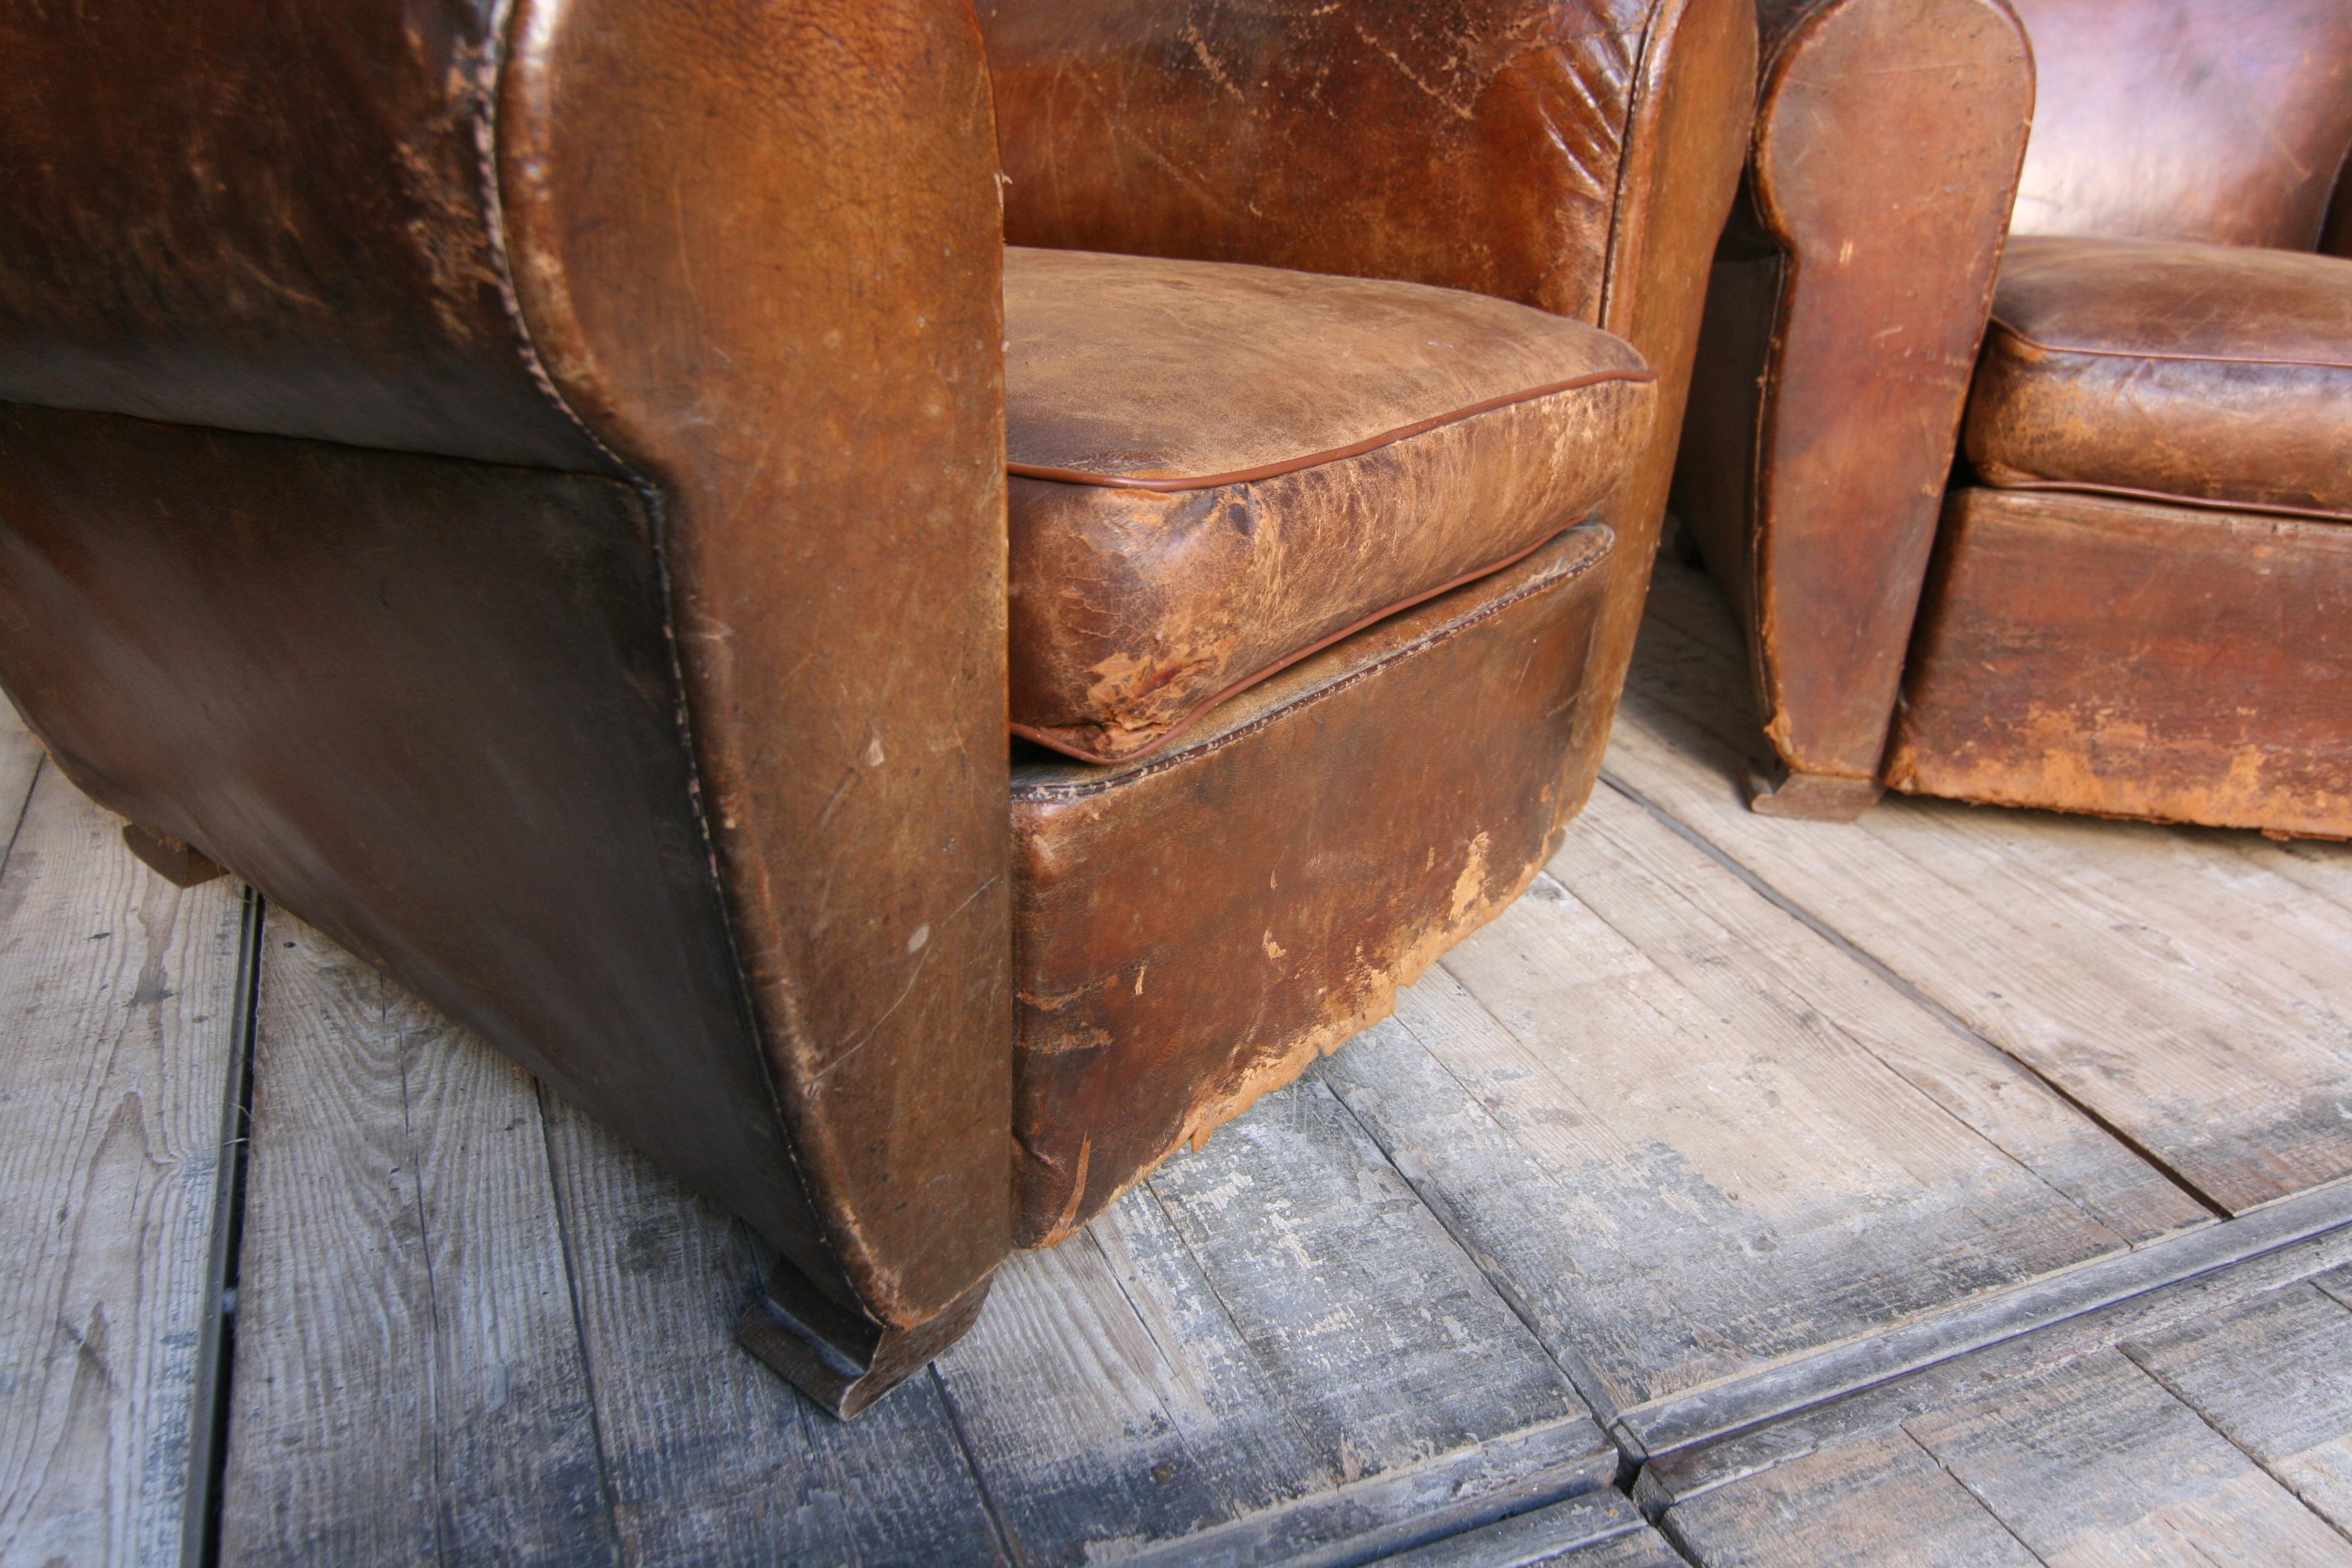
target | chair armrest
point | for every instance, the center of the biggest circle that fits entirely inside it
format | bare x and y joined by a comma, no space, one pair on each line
569,436
1843,322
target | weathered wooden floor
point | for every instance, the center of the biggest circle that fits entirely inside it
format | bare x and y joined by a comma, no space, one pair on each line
1956,1187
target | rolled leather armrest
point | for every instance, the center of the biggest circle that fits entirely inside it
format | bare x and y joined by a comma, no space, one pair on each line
1842,321
467,470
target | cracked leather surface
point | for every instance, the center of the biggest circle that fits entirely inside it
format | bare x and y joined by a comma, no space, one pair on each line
2198,372
1131,609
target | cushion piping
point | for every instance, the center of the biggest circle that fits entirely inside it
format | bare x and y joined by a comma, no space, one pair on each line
2279,360
1046,739
2167,498
1314,459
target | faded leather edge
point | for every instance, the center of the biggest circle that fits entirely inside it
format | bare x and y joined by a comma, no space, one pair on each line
1333,455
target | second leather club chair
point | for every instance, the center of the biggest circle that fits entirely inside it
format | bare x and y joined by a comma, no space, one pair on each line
562,547
2142,567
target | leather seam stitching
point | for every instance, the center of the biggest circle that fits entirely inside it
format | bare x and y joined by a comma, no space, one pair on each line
1331,455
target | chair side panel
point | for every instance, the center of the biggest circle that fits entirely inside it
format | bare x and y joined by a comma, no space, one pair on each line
1192,931
427,705
2133,659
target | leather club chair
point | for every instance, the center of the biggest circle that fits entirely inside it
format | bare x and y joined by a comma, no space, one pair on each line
558,543
2135,498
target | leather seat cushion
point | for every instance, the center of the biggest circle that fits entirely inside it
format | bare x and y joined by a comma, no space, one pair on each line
2206,373
1218,469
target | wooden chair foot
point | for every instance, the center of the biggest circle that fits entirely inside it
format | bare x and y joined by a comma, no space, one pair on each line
837,1357
1809,797
177,862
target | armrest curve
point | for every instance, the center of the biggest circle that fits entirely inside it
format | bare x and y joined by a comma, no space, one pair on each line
1843,316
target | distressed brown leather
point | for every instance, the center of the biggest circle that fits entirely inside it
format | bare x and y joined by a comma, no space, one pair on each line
1848,296
2133,659
526,488
1218,468
1575,156
2193,372
1820,439
1196,926
507,567
2187,119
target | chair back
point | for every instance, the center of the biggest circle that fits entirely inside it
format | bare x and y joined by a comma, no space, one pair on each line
2221,120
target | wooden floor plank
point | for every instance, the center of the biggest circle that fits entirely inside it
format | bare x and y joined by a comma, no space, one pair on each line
2275,1376
1111,1403
116,1006
1687,912
408,1384
1879,1502
20,762
1363,1310
713,1459
2097,1463
2193,998
1602,1530
1270,1349
1686,1167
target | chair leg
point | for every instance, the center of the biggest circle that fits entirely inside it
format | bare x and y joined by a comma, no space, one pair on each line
177,862
1775,791
838,1358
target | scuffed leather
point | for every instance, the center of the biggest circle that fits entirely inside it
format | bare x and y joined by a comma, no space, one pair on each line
1577,155
1133,608
2200,373
267,216
1848,297
1476,148
1197,926
2222,121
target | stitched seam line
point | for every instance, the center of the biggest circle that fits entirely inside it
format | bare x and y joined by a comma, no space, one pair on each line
1444,634
2172,358
1315,460
2207,503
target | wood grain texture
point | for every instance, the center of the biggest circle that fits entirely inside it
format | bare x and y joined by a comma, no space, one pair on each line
1270,1352
2275,1376
1879,1502
408,1384
1601,1530
2095,1463
1688,1167
1832,1418
712,1459
116,995
2194,1000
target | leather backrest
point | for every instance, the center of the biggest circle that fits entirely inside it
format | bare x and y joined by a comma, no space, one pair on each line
269,216
2222,121
1474,147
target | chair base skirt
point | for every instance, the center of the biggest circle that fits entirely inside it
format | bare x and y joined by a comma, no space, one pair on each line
2133,659
1193,929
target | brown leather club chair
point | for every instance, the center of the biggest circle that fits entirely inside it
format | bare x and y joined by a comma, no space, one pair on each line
2138,606
558,543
